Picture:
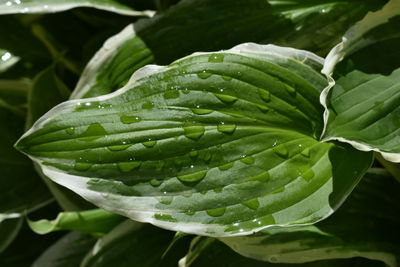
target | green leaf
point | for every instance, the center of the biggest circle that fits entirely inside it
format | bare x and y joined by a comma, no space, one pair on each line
183,29
215,144
9,229
369,30
364,227
96,221
130,242
213,253
68,251
13,96
48,6
7,60
364,110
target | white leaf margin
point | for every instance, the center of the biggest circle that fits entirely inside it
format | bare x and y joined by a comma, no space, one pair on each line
351,42
51,6
144,209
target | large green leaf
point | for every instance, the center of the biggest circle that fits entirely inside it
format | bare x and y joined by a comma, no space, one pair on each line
364,111
48,6
68,251
214,144
208,25
95,221
365,226
130,242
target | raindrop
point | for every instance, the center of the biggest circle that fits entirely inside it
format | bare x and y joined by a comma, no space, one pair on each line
130,119
201,111
248,160
263,108
216,58
190,213
171,94
155,182
128,166
290,90
226,128
119,147
148,105
185,91
166,200
264,94
226,166
164,217
193,177
193,154
252,203
82,166
281,151
216,212
306,152
93,132
193,131
207,156
308,175
226,78
226,98
150,143
70,130
204,74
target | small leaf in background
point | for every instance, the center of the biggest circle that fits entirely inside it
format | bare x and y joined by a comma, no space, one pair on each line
7,60
89,221
9,229
214,144
48,6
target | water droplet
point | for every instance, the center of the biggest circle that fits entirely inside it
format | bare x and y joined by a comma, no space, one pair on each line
291,90
201,111
193,177
155,182
119,147
226,78
264,94
164,217
204,74
193,154
130,119
226,166
216,58
306,152
251,203
308,175
226,98
148,105
281,151
217,189
128,166
185,91
187,195
166,200
150,143
264,109
226,128
93,132
216,212
82,166
239,74
207,156
70,130
190,213
193,131
248,160
171,94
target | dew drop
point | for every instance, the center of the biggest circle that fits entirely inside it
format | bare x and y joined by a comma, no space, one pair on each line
193,154
150,143
308,175
226,78
201,111
226,98
217,189
82,166
155,182
217,212
164,217
306,152
93,132
193,131
216,58
148,105
166,200
239,74
252,203
171,94
190,213
128,166
226,166
204,74
207,156
248,160
185,91
226,128
193,177
290,90
119,147
130,119
281,151
263,108
264,94
70,130
187,195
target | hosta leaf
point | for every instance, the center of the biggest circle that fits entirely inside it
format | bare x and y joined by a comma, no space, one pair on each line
182,30
68,251
7,60
369,30
213,253
130,242
364,111
95,221
363,227
215,144
48,6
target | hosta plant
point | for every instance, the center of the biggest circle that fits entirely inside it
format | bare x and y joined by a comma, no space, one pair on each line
230,133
